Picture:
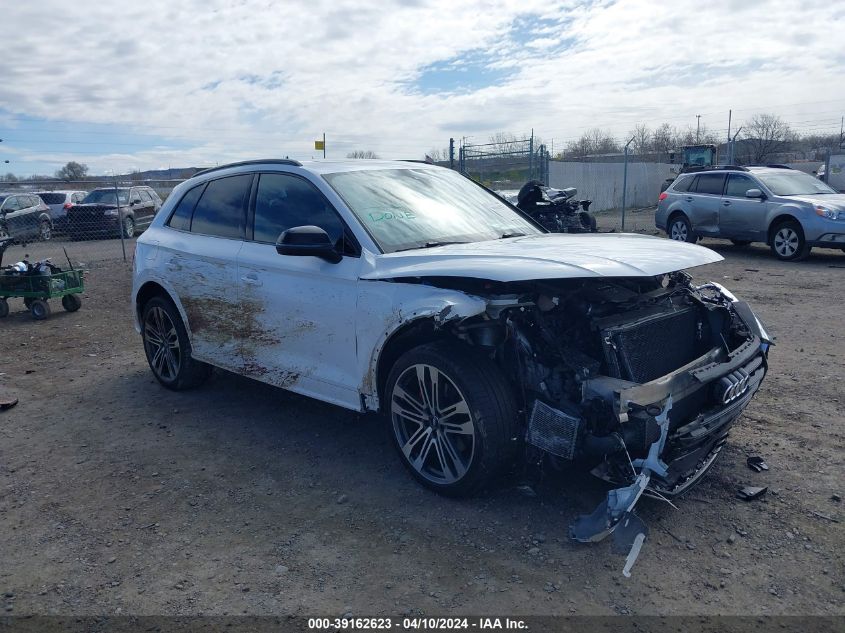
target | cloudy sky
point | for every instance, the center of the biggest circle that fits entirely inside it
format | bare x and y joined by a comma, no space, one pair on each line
140,85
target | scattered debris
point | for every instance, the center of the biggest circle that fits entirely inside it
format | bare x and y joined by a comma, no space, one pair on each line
835,497
756,463
824,516
7,403
749,493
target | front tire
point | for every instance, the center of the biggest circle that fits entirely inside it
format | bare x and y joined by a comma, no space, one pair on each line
45,231
680,230
71,303
788,243
40,309
128,228
168,348
452,417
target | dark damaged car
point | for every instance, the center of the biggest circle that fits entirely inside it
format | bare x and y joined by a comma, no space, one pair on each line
485,341
112,212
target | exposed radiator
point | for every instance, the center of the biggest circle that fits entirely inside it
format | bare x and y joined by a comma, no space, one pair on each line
653,346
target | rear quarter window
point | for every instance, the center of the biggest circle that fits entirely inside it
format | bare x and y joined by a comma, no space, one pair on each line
181,216
682,184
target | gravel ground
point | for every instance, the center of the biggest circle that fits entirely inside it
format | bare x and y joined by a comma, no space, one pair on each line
117,496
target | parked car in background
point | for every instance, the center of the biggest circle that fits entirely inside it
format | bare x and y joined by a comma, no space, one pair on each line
484,340
59,202
787,209
24,217
110,212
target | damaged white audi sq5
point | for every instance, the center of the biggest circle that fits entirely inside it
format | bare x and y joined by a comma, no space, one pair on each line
485,341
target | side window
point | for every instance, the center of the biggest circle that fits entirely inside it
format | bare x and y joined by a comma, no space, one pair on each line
181,216
220,209
710,183
284,201
145,197
12,204
134,196
682,184
738,185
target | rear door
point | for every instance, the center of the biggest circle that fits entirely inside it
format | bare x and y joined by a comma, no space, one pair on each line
705,197
199,258
146,210
299,310
742,218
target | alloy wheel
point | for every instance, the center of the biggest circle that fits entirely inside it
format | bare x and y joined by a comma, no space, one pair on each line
433,424
679,231
786,242
46,231
128,228
162,344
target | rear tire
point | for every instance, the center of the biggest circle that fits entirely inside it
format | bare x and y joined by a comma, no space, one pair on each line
452,416
680,229
45,231
40,309
168,348
788,243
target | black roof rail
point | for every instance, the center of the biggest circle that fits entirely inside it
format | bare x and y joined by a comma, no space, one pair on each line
774,166
698,168
265,161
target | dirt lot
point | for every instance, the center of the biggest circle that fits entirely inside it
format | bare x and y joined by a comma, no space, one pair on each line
117,496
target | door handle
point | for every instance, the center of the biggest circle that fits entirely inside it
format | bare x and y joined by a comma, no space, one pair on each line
251,279
726,203
688,198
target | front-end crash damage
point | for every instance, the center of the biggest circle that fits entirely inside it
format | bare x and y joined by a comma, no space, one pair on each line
638,379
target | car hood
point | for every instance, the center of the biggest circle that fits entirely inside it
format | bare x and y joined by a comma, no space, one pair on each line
830,200
545,256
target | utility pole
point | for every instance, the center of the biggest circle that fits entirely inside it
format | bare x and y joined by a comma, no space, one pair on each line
697,127
625,180
324,144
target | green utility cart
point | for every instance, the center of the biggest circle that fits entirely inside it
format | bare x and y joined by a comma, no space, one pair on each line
36,287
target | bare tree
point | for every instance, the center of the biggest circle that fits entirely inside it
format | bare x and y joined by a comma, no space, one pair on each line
361,153
765,135
642,138
595,141
10,177
663,139
72,171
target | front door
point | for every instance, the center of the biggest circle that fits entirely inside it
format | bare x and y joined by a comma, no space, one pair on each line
742,218
300,310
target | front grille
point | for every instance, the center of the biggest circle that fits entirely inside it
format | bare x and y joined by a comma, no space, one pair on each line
653,346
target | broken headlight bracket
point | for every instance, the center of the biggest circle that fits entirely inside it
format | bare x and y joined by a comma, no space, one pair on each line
616,513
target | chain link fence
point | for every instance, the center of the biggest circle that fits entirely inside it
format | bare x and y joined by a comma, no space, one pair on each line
93,222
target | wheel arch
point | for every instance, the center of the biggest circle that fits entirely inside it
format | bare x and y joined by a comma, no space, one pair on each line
149,290
777,220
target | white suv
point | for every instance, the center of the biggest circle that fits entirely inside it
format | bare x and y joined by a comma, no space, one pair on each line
408,289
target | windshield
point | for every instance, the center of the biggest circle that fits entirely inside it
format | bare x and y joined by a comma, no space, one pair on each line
793,183
105,196
412,208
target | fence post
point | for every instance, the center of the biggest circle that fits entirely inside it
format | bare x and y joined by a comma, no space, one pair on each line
625,181
451,153
119,218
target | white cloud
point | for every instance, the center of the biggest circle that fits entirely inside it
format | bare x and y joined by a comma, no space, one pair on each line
228,80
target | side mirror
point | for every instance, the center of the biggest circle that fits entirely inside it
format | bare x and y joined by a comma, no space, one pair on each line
754,193
308,241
